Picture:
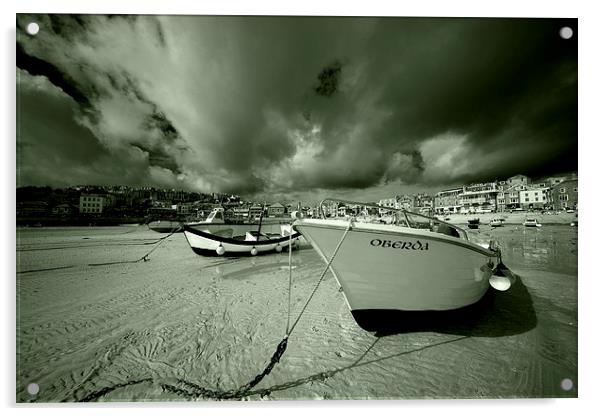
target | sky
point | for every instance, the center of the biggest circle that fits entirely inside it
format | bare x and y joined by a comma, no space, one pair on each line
293,108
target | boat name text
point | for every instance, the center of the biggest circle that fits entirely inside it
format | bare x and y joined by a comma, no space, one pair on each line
400,245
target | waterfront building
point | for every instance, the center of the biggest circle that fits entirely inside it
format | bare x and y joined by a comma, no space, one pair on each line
241,212
508,197
564,195
447,202
389,203
555,180
276,210
534,197
406,202
518,180
478,197
255,212
94,203
423,204
63,210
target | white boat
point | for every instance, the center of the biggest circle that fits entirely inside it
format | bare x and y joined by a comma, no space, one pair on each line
496,222
417,264
222,242
163,226
531,222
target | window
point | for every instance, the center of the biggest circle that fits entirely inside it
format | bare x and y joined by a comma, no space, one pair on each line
562,190
526,199
536,199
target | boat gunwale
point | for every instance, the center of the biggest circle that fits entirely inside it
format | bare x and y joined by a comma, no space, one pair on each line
436,237
233,241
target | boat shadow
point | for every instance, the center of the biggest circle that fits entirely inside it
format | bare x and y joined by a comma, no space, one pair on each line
497,314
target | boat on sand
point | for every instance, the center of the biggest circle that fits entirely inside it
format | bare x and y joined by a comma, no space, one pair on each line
418,263
496,222
531,222
473,223
223,243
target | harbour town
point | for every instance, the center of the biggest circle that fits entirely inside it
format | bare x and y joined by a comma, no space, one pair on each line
113,205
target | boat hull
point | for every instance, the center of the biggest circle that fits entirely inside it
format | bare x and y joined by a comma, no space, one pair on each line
381,269
165,227
207,244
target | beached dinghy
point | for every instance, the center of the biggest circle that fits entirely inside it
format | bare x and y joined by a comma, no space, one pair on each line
417,264
496,222
223,243
473,223
531,222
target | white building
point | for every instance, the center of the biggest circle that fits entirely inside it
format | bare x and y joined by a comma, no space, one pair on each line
93,204
479,197
448,201
518,180
534,197
389,203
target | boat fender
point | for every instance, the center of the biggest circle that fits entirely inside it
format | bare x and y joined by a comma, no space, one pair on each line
253,251
220,250
278,248
502,278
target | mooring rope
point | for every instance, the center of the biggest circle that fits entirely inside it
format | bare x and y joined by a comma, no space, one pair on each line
290,280
158,242
334,253
143,258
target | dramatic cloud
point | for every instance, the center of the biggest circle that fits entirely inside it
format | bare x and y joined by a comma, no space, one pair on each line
281,105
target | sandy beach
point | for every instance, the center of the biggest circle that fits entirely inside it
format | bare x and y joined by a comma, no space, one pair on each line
182,327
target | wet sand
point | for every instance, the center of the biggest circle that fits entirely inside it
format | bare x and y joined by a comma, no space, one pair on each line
182,327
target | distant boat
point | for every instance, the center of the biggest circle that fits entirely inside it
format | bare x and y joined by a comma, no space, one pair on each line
223,243
418,263
496,222
215,217
473,223
166,226
531,222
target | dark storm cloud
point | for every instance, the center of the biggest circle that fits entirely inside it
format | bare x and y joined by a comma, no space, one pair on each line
77,79
72,157
271,104
36,66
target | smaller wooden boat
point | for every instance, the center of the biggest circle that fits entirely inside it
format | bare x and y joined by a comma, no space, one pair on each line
223,243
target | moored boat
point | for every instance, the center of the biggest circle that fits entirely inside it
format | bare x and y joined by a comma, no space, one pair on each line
224,243
531,222
416,264
473,223
496,222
